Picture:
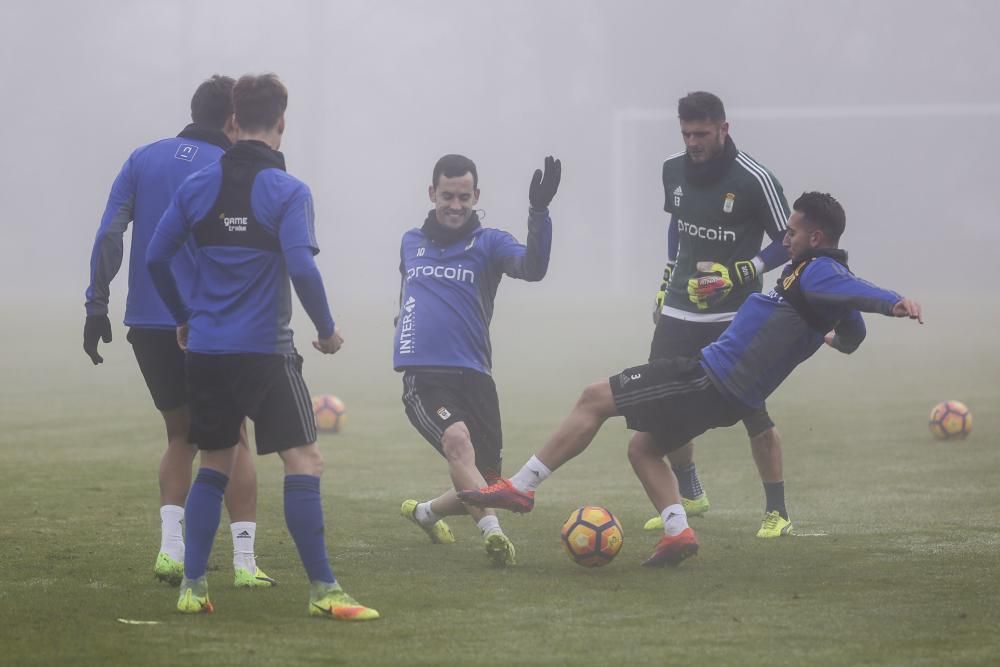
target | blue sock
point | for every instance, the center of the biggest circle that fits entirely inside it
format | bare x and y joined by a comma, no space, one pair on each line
775,493
201,519
687,479
304,518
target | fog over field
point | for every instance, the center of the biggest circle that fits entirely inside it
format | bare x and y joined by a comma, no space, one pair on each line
890,106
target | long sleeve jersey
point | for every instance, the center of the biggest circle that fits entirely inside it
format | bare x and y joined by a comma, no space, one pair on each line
720,219
140,194
447,293
769,337
253,229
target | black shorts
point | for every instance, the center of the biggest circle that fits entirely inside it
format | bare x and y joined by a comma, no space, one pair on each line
267,388
673,400
435,398
682,338
161,362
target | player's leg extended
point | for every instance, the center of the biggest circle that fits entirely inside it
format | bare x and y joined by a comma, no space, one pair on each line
767,454
595,406
304,518
457,449
459,452
175,481
660,483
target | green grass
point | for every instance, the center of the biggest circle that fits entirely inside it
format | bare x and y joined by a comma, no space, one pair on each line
905,575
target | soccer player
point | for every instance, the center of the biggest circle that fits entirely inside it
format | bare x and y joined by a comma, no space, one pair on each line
721,203
450,271
816,300
141,193
252,225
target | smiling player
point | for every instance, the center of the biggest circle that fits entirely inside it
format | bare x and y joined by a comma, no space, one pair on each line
451,268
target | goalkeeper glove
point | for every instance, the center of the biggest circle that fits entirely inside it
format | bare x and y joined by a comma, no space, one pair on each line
715,281
97,327
743,272
661,296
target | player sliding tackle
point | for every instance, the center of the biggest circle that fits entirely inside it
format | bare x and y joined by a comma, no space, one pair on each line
671,401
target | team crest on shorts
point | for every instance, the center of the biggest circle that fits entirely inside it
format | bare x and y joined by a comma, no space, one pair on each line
443,413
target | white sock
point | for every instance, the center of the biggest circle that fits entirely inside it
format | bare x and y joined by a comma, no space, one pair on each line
531,475
424,515
489,524
675,519
244,533
172,531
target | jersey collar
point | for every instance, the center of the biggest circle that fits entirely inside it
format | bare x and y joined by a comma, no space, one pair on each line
712,171
445,236
206,134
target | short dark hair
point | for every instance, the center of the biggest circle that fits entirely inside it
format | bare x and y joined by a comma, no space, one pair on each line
259,100
453,166
821,209
212,103
700,105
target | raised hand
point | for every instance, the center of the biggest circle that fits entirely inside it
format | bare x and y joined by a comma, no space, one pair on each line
544,185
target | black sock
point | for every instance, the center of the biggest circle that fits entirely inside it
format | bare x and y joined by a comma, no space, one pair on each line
687,480
775,493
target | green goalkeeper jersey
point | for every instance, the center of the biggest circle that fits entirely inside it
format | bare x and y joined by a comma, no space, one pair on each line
719,213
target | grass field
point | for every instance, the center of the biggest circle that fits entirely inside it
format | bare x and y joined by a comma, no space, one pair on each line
905,573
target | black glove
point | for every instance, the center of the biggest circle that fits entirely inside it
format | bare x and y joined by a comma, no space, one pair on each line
543,187
96,327
743,272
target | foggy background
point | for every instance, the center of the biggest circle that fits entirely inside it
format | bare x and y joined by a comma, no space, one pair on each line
891,106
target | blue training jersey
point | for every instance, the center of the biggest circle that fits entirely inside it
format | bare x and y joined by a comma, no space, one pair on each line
141,193
447,293
768,337
245,254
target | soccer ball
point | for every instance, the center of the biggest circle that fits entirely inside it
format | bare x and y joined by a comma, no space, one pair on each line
592,536
330,413
950,420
